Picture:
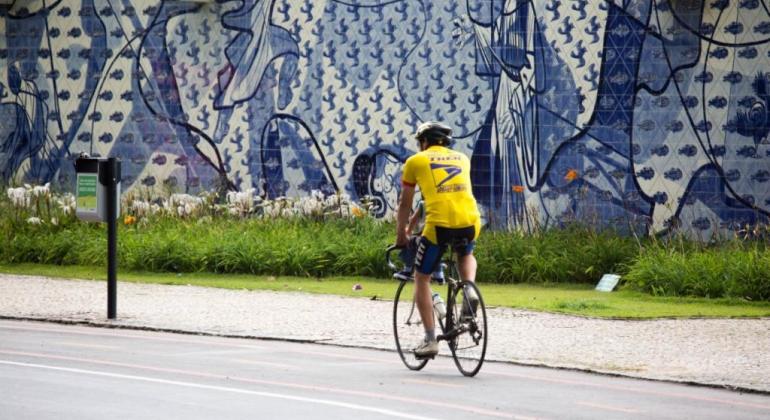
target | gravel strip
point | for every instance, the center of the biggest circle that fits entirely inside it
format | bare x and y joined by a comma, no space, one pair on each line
722,352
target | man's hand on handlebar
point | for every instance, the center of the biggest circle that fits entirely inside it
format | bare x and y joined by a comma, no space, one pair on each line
402,238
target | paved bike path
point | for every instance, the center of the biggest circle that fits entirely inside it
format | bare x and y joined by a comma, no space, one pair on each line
722,352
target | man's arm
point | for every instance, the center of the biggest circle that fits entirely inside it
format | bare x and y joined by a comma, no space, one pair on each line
402,217
413,220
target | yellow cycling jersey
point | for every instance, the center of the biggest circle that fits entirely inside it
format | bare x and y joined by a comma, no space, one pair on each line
444,178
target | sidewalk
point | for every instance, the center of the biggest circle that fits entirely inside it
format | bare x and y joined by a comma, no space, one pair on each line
722,352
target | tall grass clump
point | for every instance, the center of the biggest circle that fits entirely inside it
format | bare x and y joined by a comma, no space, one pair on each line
320,235
275,247
300,247
329,235
576,253
31,216
734,270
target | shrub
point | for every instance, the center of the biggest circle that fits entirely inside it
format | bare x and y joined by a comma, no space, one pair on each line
735,270
574,254
331,236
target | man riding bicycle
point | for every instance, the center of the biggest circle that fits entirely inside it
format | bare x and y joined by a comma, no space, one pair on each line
443,176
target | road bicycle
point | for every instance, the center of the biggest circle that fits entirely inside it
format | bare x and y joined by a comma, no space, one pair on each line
464,327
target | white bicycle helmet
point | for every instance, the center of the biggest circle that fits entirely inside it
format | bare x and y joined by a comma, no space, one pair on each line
434,133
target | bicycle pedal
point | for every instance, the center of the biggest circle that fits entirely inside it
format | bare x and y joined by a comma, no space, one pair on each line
425,357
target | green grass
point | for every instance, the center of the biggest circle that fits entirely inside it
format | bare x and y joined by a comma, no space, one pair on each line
308,247
268,247
576,299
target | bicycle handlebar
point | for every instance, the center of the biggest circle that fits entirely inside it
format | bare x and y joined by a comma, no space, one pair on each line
388,250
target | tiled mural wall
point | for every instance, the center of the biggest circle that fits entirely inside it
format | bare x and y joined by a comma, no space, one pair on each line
645,113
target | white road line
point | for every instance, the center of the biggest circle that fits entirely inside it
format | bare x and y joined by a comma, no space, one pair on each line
446,404
333,403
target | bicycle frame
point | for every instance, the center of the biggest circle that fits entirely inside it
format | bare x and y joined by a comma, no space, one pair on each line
464,315
448,329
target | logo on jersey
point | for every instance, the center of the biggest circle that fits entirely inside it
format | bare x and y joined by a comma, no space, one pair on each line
450,172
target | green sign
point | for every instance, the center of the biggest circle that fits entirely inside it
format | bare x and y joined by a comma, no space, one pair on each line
86,192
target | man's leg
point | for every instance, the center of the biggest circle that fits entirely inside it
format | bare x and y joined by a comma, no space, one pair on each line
468,267
425,262
468,272
428,347
422,294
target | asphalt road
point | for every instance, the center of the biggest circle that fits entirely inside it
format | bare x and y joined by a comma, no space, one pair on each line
53,371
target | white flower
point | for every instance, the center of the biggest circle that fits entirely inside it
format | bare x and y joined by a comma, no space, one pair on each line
140,208
41,190
184,204
177,199
309,206
67,203
241,202
184,210
317,195
18,196
271,210
160,207
55,221
34,221
337,200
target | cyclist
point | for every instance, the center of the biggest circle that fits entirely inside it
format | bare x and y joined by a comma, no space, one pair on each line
443,176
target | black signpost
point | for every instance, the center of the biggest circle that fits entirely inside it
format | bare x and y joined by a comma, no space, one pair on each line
97,195
109,175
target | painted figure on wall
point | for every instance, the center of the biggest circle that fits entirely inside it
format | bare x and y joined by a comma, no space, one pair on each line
547,84
645,114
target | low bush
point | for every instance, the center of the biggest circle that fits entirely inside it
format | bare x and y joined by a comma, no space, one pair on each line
731,270
277,247
572,254
330,236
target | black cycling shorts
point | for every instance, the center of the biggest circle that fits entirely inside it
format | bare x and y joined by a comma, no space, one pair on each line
429,254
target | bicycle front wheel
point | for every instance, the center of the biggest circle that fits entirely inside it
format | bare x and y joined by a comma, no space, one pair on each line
469,317
407,325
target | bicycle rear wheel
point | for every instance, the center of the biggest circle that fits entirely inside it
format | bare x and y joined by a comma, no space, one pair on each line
469,346
407,325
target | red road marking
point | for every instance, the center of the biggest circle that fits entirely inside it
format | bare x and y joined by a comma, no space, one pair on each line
608,407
